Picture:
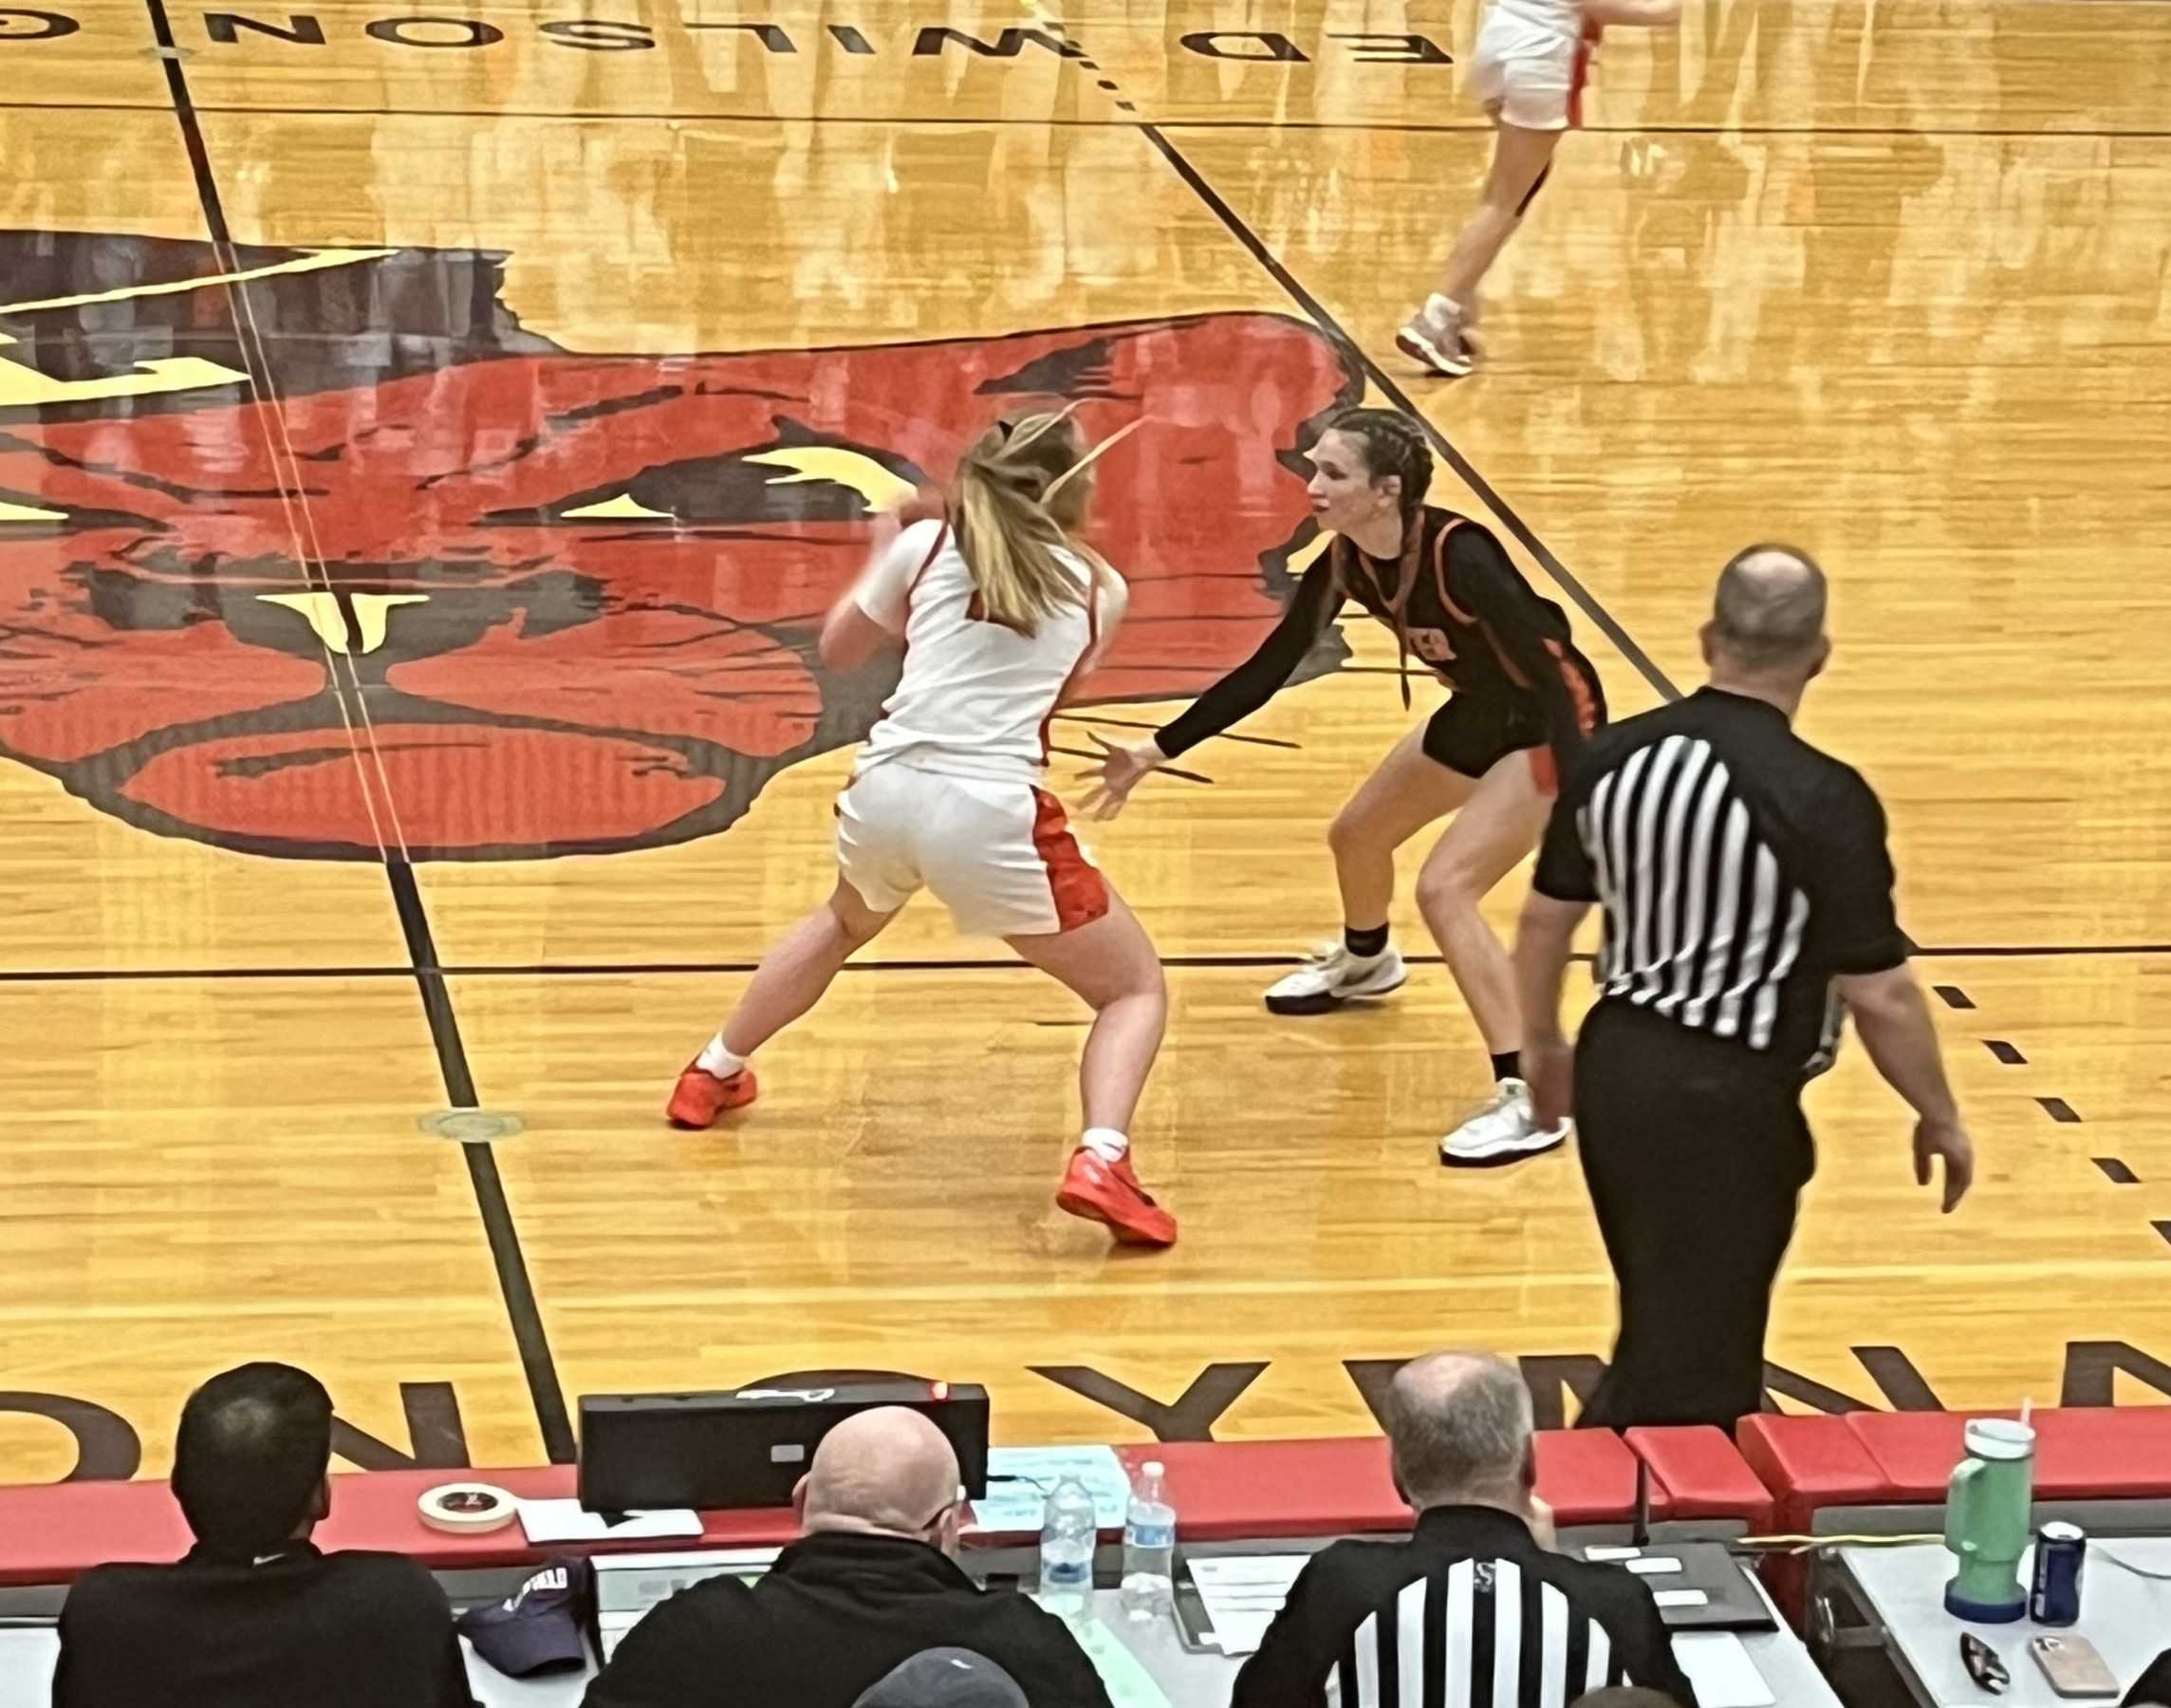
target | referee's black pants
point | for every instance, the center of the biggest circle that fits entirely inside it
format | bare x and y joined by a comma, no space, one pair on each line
1695,1157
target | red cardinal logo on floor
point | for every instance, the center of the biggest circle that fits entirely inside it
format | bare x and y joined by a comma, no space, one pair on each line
394,571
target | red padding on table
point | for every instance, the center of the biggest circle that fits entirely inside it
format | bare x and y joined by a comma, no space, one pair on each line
1702,1473
1229,1490
2082,1453
1808,1463
1221,1490
53,1533
1588,1476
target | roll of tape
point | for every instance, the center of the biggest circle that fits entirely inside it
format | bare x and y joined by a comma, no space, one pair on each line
467,1509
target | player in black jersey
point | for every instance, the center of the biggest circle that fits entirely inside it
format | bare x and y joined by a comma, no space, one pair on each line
1522,702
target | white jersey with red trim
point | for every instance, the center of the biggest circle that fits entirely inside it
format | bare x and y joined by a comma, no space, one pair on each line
974,698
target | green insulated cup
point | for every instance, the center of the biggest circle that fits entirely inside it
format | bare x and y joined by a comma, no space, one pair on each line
1986,1520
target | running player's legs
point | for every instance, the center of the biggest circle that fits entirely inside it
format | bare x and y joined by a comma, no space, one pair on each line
1530,81
1521,157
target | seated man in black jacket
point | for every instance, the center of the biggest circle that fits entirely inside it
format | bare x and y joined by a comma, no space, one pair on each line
870,1582
253,1616
1473,1602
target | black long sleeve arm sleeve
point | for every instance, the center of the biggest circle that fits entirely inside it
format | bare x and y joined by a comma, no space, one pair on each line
1253,682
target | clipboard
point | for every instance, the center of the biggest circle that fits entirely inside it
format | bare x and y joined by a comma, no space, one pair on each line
1723,1598
1194,1627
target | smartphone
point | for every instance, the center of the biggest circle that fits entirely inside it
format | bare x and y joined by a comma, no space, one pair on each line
2073,1666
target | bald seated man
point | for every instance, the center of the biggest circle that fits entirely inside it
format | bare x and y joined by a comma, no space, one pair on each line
1474,1609
872,1581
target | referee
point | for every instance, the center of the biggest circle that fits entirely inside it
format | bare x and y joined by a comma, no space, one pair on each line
1748,907
1474,1609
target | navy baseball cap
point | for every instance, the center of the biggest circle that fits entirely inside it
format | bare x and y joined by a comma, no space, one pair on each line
945,1678
538,1627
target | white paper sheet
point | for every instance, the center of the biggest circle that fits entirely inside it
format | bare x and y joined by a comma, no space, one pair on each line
1242,1593
1723,1670
1021,1478
565,1521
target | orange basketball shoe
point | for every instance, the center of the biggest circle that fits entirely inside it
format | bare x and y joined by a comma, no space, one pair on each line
700,1096
1103,1191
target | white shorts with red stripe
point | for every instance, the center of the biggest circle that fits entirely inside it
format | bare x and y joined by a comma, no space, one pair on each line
1531,75
999,856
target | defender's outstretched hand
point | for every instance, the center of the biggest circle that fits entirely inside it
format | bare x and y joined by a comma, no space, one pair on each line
1122,769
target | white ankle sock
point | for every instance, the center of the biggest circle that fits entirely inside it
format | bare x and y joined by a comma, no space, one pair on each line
1107,1143
716,1059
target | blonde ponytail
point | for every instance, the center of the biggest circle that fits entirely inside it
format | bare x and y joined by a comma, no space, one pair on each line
1017,501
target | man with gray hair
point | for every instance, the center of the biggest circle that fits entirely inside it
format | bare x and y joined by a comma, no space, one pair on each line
1472,1610
1748,908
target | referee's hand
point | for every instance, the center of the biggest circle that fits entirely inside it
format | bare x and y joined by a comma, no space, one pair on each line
1949,1139
1548,1068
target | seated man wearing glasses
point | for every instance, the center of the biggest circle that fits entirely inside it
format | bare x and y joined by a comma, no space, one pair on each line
871,1581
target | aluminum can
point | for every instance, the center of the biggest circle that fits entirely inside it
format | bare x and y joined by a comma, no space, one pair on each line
2055,1598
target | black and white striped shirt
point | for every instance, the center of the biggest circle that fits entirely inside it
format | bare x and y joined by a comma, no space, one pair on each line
1470,1612
1739,868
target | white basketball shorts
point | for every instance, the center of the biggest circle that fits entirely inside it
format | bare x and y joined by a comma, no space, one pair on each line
1530,76
999,856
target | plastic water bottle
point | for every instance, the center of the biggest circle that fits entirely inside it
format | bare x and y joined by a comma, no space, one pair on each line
1068,1529
1149,1548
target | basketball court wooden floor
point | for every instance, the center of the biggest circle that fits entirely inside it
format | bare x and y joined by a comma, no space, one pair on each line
417,491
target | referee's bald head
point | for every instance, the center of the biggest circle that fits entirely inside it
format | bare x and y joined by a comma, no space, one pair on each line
1769,615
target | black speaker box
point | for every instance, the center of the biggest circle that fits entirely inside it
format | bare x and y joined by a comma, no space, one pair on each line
749,1447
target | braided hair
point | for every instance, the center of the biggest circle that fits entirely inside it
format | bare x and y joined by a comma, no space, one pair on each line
1393,444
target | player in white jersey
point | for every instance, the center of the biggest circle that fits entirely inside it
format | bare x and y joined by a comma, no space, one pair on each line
1002,613
1531,60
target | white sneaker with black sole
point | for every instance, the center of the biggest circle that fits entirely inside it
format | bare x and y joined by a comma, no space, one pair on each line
1333,977
1505,1130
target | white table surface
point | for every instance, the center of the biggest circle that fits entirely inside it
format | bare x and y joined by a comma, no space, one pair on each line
2127,1618
1784,1661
